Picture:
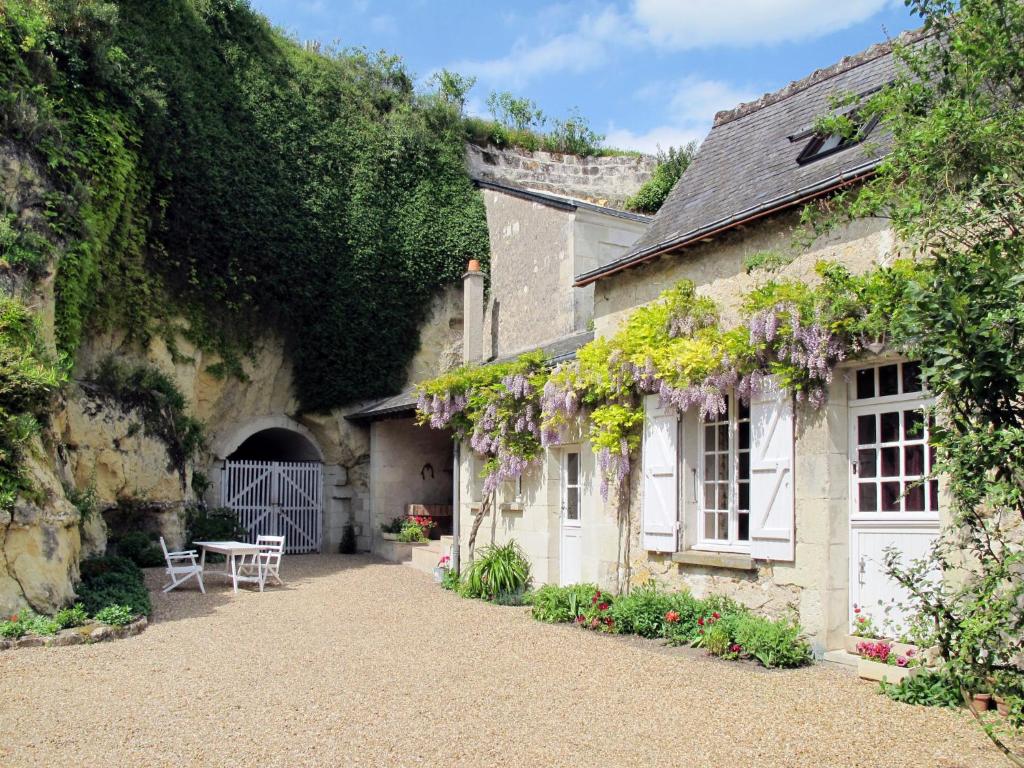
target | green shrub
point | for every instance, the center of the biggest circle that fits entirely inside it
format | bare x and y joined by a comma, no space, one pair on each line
450,580
113,581
218,524
411,532
141,548
642,612
394,525
553,604
75,616
28,623
13,627
671,165
498,573
777,643
927,689
347,545
116,615
681,627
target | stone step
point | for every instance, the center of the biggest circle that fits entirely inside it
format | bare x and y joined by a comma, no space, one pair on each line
426,556
841,658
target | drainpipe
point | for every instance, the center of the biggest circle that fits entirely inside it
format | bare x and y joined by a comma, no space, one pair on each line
456,510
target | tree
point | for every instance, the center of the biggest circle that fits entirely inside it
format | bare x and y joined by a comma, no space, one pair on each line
953,186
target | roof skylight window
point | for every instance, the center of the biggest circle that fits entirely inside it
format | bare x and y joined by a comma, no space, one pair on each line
825,144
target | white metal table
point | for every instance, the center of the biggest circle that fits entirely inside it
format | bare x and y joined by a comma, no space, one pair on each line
231,550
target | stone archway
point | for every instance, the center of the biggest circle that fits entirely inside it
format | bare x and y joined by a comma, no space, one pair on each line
270,471
271,431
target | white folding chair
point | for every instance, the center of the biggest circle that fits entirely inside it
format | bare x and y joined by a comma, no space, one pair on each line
182,566
271,552
267,562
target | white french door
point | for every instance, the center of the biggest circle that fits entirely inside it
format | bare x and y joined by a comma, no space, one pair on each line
570,561
893,501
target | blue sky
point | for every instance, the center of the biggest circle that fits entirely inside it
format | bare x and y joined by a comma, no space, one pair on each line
647,73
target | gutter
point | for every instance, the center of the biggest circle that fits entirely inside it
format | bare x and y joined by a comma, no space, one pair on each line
723,225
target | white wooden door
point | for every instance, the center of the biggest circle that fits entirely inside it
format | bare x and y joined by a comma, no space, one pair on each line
893,504
277,498
570,562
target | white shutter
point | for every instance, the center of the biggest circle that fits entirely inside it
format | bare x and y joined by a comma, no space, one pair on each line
661,486
772,534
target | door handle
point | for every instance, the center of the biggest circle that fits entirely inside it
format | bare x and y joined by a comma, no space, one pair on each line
860,571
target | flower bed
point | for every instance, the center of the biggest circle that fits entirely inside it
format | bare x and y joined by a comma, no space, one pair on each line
32,631
721,626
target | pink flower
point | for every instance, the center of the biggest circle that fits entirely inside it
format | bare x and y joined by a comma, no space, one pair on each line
910,651
856,609
902,661
717,615
672,617
603,607
700,621
580,619
736,648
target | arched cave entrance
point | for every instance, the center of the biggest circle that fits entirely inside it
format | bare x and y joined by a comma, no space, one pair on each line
272,477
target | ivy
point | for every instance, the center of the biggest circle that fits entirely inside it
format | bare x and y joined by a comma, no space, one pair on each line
205,167
29,378
158,402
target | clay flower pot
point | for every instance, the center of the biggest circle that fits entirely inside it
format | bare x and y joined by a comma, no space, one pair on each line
1001,706
980,702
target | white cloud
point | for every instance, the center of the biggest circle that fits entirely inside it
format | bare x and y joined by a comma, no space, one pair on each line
690,105
650,142
579,50
681,24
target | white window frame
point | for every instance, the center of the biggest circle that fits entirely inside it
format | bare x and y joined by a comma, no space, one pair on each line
920,399
733,543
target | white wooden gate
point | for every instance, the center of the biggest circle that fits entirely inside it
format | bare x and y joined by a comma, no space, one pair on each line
277,498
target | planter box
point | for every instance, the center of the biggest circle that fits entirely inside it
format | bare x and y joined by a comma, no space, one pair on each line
389,536
875,670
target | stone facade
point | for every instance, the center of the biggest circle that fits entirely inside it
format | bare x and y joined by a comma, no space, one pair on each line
536,250
601,180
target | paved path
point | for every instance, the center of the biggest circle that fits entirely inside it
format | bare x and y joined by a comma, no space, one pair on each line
360,663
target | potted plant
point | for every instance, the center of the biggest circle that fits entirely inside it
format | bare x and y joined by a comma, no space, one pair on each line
390,530
415,529
442,568
878,662
863,629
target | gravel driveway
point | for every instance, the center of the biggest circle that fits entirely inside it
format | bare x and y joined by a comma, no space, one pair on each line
360,663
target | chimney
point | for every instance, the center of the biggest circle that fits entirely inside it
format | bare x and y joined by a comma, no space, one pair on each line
473,313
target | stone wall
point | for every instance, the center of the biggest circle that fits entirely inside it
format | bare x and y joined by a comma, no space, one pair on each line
815,583
602,180
536,252
530,295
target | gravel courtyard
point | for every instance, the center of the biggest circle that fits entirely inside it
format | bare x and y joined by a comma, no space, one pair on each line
357,662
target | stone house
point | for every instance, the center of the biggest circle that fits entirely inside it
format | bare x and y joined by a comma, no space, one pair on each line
775,503
540,240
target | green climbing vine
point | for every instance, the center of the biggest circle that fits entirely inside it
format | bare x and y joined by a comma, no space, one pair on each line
677,348
202,166
29,379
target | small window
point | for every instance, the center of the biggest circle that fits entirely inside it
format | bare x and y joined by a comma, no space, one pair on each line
823,145
725,473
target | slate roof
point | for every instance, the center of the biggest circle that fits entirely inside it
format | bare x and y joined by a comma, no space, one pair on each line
404,403
747,166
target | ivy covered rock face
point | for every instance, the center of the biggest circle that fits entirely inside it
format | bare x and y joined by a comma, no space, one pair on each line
207,166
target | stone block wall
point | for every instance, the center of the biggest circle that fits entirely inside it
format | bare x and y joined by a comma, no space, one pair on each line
602,180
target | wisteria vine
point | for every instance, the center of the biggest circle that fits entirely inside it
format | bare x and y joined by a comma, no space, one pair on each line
675,348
